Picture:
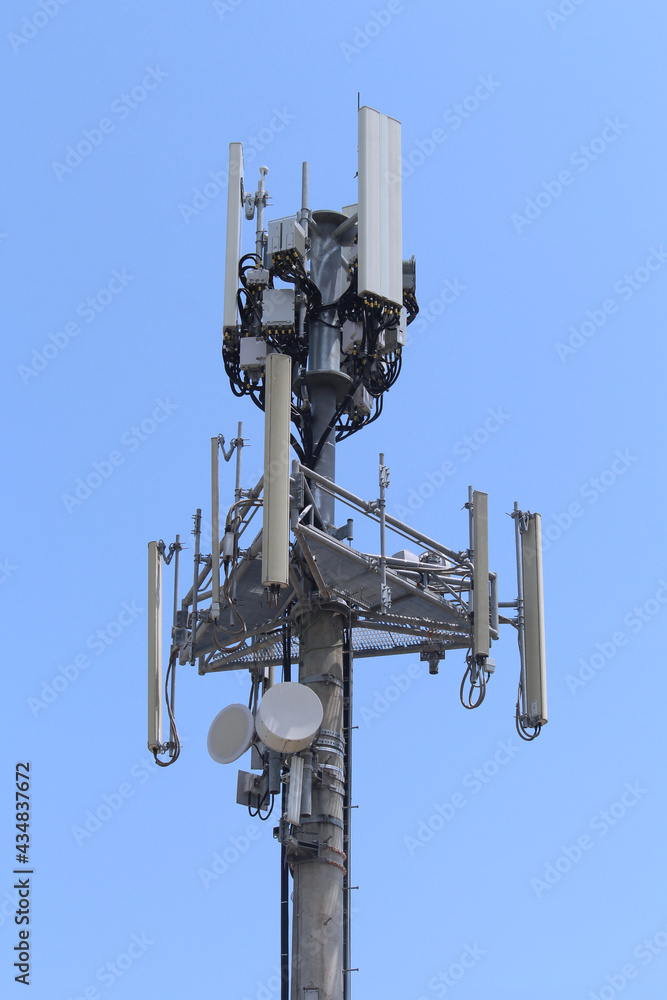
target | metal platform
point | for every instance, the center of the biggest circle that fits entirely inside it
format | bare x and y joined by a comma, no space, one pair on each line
369,638
355,576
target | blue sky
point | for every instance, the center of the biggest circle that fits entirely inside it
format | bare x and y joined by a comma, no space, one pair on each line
533,199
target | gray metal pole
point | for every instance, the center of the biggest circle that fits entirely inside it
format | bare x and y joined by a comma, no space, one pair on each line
324,376
348,659
317,928
317,920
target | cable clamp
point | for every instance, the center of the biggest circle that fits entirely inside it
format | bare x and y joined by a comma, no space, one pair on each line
325,818
321,679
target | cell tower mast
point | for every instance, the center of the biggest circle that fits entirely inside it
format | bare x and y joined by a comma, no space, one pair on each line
314,329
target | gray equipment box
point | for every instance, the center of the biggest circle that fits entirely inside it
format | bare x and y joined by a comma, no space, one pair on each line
249,789
252,355
361,402
352,334
395,336
278,307
285,234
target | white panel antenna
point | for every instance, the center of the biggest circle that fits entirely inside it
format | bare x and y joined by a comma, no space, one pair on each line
233,247
380,210
154,647
277,413
535,694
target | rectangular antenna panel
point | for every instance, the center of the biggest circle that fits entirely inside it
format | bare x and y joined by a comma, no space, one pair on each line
480,574
533,596
380,219
154,646
233,247
277,417
293,814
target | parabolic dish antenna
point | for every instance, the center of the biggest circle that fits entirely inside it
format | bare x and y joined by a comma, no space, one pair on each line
288,717
230,734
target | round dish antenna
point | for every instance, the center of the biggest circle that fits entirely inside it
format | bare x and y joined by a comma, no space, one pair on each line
288,717
230,734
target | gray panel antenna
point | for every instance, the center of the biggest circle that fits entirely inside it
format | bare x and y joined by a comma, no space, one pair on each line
535,701
380,207
233,243
480,592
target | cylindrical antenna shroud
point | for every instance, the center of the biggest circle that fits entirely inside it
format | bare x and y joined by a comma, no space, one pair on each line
277,417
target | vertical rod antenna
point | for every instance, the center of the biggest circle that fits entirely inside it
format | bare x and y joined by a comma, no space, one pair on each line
385,599
177,559
237,496
305,182
215,527
239,446
196,531
303,220
260,201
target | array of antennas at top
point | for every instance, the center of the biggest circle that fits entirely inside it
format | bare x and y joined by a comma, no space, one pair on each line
314,325
367,297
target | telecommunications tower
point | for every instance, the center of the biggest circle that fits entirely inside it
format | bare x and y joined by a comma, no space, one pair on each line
314,329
